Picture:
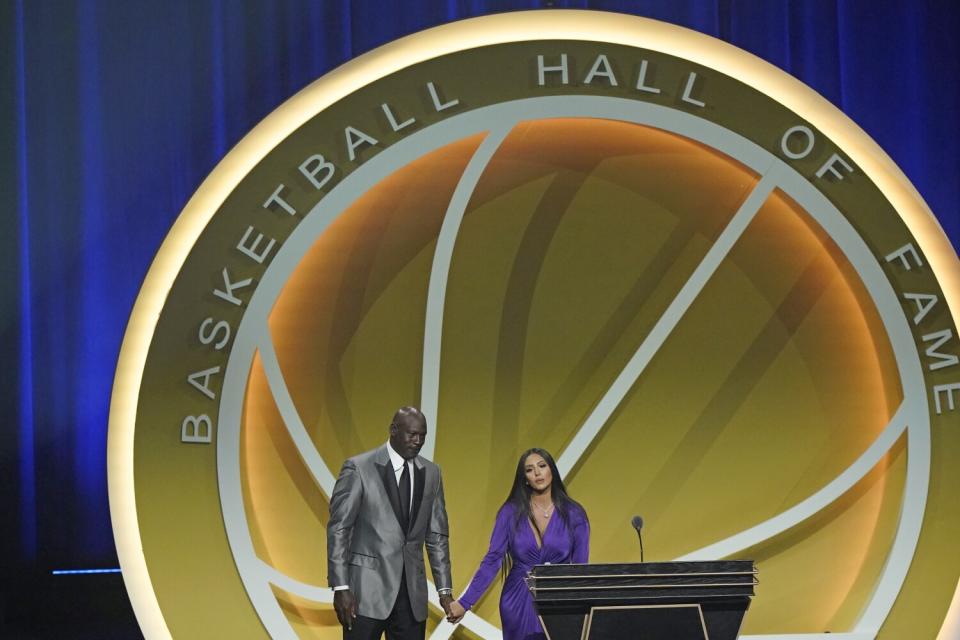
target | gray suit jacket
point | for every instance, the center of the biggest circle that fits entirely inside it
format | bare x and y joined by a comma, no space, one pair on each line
367,547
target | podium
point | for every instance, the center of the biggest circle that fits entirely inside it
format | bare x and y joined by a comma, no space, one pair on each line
643,601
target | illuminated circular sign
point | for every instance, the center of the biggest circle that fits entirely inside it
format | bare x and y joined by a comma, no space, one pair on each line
703,288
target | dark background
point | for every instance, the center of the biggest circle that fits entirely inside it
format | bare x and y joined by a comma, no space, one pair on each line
113,112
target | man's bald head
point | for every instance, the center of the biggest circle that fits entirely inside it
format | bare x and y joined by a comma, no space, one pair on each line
408,431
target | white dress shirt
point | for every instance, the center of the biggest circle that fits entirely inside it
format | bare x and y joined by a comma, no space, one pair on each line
397,461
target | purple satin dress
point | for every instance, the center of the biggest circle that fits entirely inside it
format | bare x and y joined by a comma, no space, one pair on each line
562,543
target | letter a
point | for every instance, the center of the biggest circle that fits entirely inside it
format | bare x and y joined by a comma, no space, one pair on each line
201,381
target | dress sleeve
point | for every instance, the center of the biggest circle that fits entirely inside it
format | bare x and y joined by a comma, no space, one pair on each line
581,539
492,561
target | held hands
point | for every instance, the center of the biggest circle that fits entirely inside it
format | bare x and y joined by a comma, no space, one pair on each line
455,612
345,604
445,601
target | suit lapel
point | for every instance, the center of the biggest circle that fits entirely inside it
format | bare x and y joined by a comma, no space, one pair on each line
390,486
419,480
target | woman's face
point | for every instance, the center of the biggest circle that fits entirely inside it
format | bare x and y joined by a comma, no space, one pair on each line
538,473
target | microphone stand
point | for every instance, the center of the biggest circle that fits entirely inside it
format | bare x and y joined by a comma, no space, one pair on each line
640,537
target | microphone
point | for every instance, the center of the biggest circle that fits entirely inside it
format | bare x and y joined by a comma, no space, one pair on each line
637,523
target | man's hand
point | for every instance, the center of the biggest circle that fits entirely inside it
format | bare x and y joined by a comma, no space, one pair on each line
445,600
454,609
345,604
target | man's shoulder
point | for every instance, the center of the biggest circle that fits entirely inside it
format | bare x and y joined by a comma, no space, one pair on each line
429,464
365,458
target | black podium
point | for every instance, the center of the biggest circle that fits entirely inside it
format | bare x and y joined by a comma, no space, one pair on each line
643,601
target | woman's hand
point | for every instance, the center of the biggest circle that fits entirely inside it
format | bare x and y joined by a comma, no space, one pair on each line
456,612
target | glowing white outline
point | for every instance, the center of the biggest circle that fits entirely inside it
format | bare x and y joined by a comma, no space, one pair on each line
494,117
812,504
291,417
511,27
439,272
667,321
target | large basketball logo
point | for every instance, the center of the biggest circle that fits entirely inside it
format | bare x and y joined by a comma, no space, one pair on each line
701,288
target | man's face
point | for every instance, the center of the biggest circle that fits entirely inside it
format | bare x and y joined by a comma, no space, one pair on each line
408,435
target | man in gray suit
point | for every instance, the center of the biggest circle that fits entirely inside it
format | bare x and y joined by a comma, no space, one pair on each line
386,505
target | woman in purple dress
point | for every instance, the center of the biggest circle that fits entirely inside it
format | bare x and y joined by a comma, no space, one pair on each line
538,524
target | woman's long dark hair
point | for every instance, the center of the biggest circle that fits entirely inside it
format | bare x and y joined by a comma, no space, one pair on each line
521,492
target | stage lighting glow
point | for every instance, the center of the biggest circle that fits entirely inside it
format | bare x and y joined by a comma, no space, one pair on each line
436,42
82,572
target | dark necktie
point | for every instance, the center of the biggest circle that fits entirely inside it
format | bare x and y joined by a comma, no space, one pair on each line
405,495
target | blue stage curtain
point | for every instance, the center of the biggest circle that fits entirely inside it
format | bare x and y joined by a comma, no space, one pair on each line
114,112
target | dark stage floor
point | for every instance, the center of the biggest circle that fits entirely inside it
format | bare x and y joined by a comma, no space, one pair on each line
38,606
